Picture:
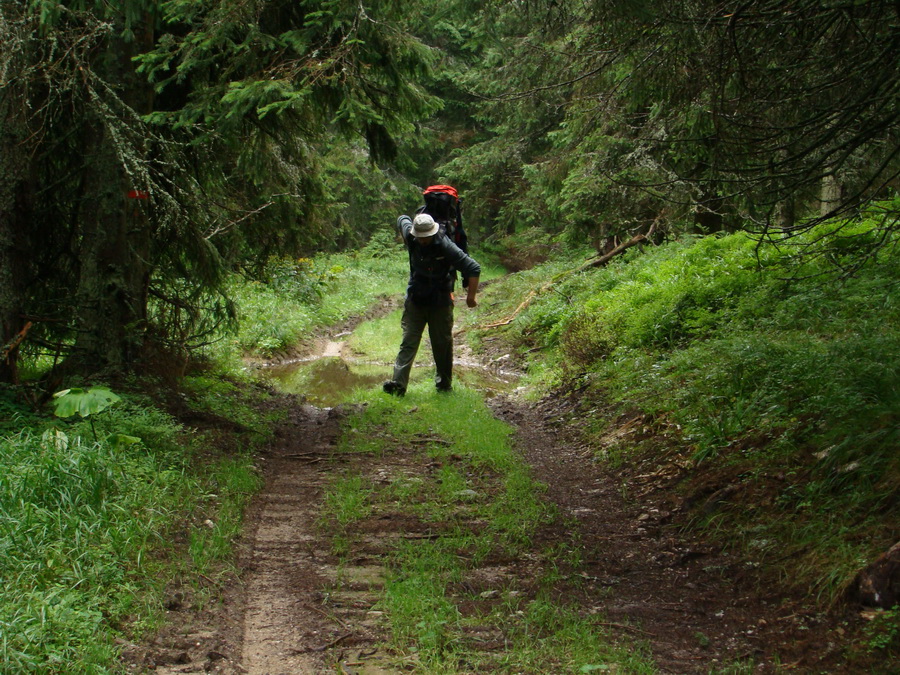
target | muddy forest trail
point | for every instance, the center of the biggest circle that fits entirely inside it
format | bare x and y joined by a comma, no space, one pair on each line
385,541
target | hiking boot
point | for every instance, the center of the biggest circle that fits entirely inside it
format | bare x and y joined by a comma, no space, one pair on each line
444,388
393,388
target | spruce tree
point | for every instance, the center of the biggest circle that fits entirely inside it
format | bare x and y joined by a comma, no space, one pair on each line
166,143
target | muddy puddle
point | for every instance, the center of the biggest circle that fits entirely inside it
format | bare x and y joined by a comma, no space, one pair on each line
330,379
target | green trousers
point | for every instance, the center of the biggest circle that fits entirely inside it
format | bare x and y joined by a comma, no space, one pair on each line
440,331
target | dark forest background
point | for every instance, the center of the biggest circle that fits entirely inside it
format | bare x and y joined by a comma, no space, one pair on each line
149,149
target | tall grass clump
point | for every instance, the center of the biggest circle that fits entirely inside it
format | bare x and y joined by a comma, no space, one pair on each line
86,523
78,519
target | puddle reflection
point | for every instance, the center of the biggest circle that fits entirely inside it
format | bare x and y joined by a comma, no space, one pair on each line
329,381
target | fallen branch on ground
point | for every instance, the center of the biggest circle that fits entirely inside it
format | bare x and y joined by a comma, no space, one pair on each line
618,250
602,260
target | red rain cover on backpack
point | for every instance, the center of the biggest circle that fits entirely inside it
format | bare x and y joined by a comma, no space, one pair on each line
449,189
443,204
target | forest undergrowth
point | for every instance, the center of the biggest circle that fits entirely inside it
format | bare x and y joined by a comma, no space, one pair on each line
767,376
764,372
103,512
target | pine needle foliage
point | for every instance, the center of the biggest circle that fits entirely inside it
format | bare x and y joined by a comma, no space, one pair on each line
164,144
606,118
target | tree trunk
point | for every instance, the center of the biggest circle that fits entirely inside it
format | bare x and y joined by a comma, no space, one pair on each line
708,212
111,292
707,220
785,214
830,195
13,163
115,240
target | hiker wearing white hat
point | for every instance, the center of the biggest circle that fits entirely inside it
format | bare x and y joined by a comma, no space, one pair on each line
433,263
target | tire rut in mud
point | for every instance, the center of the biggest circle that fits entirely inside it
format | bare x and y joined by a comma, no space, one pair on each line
700,608
303,613
299,608
291,609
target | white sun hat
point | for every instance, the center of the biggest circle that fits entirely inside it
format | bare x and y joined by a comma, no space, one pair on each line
424,226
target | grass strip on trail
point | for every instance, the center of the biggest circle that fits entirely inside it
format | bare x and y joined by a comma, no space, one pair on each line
444,472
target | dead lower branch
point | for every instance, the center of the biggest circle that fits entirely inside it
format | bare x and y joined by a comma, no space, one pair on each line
15,342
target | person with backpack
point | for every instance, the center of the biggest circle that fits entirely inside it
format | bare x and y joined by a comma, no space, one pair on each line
433,263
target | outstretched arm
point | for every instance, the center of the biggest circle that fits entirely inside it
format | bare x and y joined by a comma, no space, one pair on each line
404,225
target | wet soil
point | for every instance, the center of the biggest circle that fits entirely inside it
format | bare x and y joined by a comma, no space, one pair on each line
295,607
699,607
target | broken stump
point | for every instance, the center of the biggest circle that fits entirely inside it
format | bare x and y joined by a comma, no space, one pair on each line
878,585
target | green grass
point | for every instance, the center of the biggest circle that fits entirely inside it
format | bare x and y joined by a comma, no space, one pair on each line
234,482
15,413
754,360
300,296
378,340
304,295
346,501
78,519
482,501
86,528
550,637
883,631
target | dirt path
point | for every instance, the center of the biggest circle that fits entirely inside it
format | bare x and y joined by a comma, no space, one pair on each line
291,609
283,563
296,609
699,607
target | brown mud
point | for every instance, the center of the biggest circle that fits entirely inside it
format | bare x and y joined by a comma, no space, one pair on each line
295,607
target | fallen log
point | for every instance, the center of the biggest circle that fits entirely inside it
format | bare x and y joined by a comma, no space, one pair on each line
508,320
619,250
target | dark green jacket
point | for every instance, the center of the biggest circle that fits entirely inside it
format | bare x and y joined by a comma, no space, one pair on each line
432,268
